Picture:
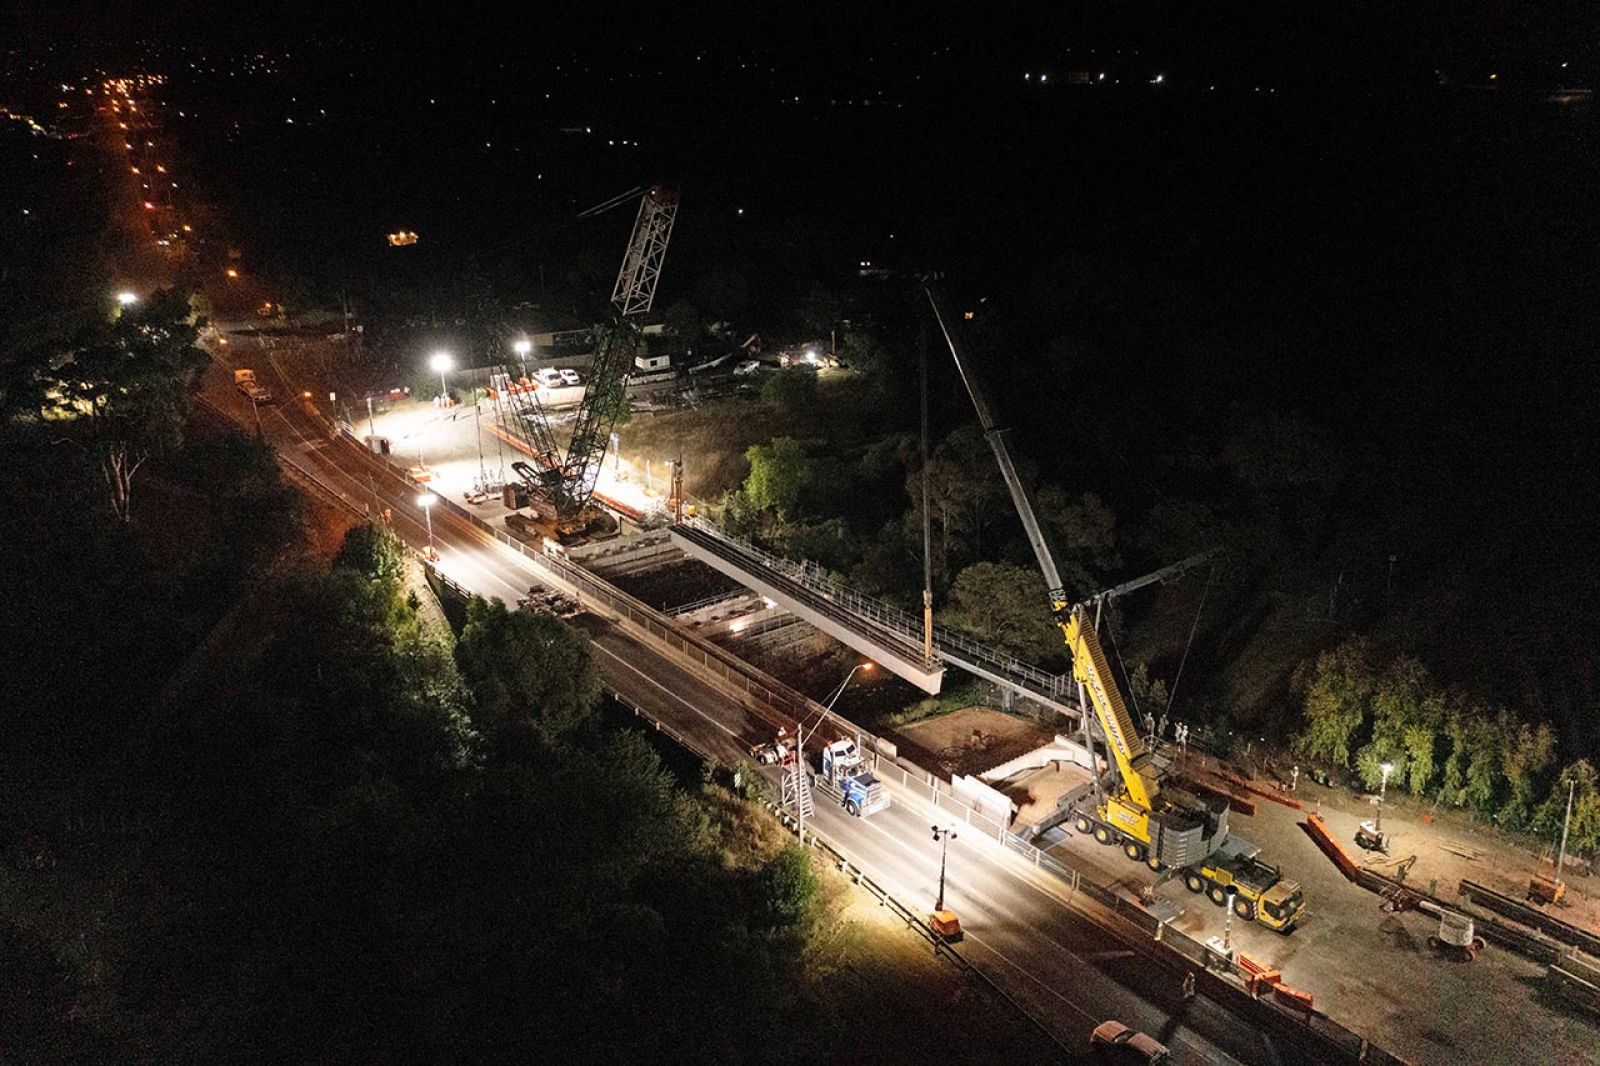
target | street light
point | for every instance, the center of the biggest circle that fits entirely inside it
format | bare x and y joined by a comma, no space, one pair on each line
840,690
127,299
943,837
522,348
441,363
426,501
1387,768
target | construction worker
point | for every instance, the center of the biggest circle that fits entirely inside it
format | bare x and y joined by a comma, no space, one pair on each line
1188,986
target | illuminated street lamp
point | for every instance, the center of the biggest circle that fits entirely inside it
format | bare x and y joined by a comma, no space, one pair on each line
426,501
1387,768
127,299
522,348
840,690
441,364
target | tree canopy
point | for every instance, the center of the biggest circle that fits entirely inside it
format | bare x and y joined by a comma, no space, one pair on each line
120,390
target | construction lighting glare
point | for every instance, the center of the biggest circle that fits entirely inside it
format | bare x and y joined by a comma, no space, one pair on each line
522,348
127,299
440,362
427,499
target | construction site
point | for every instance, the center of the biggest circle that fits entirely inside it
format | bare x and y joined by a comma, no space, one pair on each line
1315,907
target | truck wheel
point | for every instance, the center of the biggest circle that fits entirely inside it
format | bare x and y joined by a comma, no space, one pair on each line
1152,862
850,807
1102,834
1083,825
1435,943
1244,909
1477,943
1133,851
1194,883
1219,897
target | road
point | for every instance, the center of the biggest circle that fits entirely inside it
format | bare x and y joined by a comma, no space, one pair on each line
1043,949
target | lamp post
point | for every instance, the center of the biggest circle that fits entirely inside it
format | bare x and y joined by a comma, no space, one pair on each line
426,501
942,837
441,363
1383,788
522,348
840,690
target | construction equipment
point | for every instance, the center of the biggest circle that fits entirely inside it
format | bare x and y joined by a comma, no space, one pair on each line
1370,838
848,780
1259,890
1546,890
561,488
1161,827
1457,935
946,926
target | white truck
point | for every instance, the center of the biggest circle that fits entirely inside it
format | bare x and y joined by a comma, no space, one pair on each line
846,778
245,381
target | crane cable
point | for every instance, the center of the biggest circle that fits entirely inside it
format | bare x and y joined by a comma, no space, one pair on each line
1171,693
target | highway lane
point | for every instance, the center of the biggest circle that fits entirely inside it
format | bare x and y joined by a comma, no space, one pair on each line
1047,954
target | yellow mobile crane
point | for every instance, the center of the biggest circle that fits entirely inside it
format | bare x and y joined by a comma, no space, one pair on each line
1161,827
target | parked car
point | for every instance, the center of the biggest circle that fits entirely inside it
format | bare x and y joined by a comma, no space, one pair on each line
1114,1042
549,377
749,366
570,376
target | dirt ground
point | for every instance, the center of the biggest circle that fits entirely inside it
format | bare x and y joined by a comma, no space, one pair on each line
969,741
1445,848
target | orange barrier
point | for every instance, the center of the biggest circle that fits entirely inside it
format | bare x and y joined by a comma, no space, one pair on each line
1330,847
1257,976
1293,997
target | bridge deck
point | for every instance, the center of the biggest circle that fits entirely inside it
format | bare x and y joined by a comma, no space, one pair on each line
882,646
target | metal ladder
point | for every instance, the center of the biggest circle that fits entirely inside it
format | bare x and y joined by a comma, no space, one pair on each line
797,789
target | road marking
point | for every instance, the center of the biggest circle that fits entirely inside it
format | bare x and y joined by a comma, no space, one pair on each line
664,688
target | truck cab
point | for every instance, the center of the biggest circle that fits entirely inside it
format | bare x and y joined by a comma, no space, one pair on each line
1259,891
844,775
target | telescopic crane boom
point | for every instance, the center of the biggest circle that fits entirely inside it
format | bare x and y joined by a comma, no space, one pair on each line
1089,663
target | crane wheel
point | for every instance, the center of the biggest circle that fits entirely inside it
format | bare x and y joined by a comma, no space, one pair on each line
1219,897
1245,909
1194,883
1133,851
1471,953
1083,825
1477,943
1102,834
1152,862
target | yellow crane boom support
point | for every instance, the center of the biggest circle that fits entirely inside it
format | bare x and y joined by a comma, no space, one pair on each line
1091,667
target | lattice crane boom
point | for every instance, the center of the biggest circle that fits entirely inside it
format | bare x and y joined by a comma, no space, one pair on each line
635,291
